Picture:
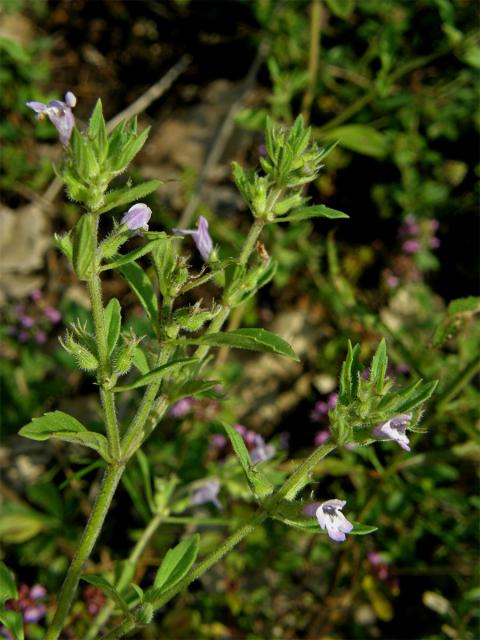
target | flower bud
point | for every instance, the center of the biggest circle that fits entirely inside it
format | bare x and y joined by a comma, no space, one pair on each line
123,358
85,358
192,318
144,614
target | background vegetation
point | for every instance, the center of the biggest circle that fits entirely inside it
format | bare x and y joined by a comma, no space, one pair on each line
396,83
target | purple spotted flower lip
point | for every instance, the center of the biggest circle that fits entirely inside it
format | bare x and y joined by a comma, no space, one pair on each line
59,113
200,236
207,492
137,217
395,429
330,517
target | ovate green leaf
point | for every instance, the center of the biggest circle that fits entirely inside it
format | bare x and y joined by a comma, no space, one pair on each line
250,339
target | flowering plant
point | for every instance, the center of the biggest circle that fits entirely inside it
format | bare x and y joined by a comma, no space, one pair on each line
171,364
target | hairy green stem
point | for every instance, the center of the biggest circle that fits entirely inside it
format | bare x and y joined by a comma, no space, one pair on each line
104,615
290,485
250,241
107,396
100,509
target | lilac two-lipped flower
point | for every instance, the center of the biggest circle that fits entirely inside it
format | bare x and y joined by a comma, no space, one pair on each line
330,517
200,236
207,492
137,217
59,113
261,450
395,429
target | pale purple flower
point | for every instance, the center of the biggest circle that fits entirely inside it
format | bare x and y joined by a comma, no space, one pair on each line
181,407
239,428
34,613
53,314
137,217
434,242
36,295
218,441
392,281
411,246
330,517
200,236
38,591
59,113
27,321
261,450
321,437
207,492
321,408
41,337
395,429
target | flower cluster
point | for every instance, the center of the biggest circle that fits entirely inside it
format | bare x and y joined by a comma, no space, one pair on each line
34,321
259,450
414,236
94,599
201,408
30,603
320,415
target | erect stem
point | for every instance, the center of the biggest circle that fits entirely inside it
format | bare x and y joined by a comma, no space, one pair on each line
289,485
104,615
100,509
95,290
313,59
250,241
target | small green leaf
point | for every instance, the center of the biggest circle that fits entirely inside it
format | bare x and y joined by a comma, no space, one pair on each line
379,366
260,484
141,285
8,588
350,375
13,622
155,375
471,304
126,195
175,565
60,425
19,524
84,246
239,447
113,322
109,590
140,360
195,388
132,255
130,149
360,138
341,8
97,131
64,243
250,339
316,211
361,529
417,396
